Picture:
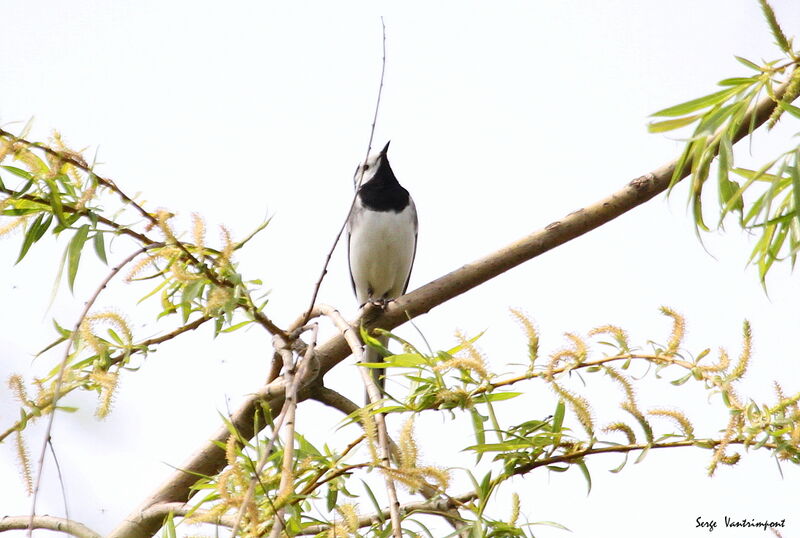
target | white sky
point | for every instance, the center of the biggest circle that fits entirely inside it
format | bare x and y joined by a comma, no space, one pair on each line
501,120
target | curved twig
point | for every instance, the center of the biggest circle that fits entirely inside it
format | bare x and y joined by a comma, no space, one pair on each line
307,315
63,368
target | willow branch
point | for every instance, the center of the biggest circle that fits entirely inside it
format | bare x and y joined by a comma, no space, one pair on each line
380,419
118,228
11,523
210,459
63,368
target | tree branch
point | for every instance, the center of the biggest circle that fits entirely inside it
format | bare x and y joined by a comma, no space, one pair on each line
210,459
11,523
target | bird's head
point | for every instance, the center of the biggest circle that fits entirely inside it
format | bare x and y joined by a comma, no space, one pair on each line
371,167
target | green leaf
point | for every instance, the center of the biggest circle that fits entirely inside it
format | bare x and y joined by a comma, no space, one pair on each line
55,202
738,81
332,497
100,247
794,173
19,172
237,326
790,108
585,470
375,503
74,253
748,63
558,417
496,396
405,360
192,291
30,237
508,446
477,427
698,104
669,125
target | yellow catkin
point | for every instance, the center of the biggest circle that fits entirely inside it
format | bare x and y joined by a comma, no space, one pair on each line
795,437
618,333
734,424
407,445
682,420
464,363
512,520
231,450
580,406
473,353
108,382
17,386
349,514
530,332
678,331
747,349
411,479
12,225
227,246
32,162
631,408
87,335
581,352
162,218
456,396
24,462
5,148
168,253
217,298
86,196
721,365
371,433
440,476
198,230
624,382
623,428
115,320
181,274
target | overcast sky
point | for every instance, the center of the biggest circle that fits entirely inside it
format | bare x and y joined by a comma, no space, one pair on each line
503,117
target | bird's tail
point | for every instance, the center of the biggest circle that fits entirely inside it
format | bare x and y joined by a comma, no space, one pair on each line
373,355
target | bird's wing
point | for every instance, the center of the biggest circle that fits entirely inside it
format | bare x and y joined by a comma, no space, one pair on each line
414,255
352,281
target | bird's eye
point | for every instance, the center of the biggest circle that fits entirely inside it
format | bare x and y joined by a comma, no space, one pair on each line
366,167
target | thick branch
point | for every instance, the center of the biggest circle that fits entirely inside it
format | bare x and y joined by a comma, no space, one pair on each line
10,523
211,459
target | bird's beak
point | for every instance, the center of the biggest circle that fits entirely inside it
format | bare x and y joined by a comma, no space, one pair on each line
385,148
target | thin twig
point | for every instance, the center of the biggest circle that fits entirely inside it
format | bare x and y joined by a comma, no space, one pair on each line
380,419
293,377
109,184
118,228
324,272
60,378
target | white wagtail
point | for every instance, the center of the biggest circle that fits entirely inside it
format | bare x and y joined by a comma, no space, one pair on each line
381,238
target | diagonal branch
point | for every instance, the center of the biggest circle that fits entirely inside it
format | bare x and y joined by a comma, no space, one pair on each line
52,523
210,458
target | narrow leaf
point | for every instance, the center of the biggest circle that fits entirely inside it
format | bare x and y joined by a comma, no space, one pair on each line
697,104
74,253
669,125
30,237
100,247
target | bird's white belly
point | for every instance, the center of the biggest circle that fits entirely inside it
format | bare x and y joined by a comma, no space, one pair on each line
381,253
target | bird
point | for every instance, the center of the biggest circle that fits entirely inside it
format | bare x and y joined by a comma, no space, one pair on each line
381,239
